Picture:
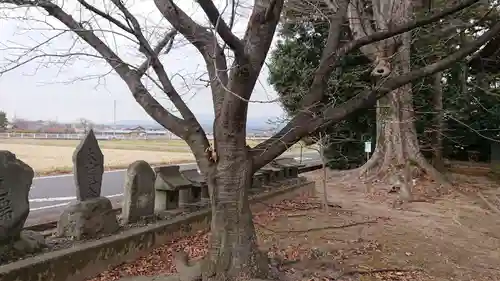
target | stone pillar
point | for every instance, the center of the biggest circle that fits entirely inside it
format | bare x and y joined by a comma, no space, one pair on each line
91,214
139,194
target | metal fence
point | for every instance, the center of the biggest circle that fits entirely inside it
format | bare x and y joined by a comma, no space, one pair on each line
74,136
99,136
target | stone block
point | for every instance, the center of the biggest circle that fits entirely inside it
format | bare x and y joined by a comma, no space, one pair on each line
166,200
258,180
88,219
16,178
277,173
185,198
267,175
29,242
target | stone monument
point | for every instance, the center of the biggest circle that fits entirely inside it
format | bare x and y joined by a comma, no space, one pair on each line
91,214
16,178
88,168
139,193
15,182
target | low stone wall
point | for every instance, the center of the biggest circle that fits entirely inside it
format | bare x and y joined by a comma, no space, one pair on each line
91,258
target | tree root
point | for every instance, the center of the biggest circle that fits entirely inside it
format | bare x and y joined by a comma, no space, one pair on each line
299,208
389,168
315,229
188,271
371,271
488,203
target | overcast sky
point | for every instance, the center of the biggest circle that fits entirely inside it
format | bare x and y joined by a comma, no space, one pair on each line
45,89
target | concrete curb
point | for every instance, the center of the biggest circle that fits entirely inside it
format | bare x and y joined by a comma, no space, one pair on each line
53,224
91,258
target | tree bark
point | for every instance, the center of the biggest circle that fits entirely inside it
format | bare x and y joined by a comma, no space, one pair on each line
233,250
397,142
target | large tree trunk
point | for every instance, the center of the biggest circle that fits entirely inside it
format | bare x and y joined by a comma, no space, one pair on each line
397,143
397,156
233,250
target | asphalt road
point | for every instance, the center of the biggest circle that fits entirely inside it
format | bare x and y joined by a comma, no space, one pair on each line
49,195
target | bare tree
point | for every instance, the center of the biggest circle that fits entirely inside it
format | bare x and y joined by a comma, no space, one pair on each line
85,124
230,164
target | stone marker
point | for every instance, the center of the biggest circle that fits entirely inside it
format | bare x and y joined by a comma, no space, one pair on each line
139,193
267,176
277,174
88,167
168,184
91,214
15,182
200,187
290,165
88,219
258,180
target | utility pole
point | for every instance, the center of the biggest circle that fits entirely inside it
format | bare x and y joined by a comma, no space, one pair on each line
114,118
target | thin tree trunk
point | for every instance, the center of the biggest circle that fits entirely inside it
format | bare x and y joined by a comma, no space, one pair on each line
437,138
233,250
324,161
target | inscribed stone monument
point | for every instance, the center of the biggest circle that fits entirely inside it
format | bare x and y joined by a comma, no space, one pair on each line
139,193
88,168
91,214
15,182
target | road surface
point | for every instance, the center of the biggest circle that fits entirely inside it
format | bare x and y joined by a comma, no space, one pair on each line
51,194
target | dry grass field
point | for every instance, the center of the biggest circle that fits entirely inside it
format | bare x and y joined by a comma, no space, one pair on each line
47,156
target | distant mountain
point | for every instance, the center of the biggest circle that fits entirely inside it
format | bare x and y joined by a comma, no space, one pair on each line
254,124
134,123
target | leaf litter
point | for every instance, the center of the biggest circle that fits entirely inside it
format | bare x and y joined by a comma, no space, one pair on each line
361,239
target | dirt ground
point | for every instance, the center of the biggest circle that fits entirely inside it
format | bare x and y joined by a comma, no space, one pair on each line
454,237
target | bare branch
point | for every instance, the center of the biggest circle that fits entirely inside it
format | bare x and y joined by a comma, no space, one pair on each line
305,123
361,27
147,50
244,74
166,43
105,16
222,28
142,96
206,43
